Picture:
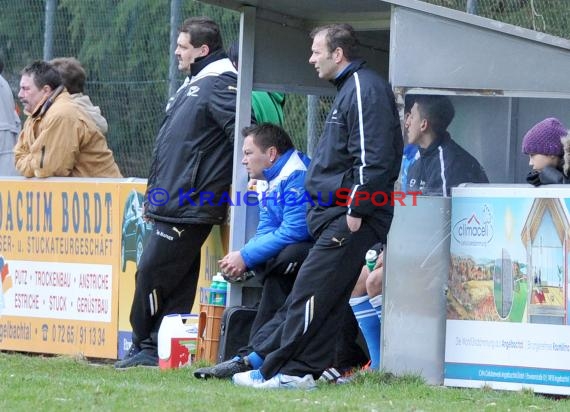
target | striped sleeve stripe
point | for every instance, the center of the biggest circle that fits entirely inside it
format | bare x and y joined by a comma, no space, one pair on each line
361,133
442,169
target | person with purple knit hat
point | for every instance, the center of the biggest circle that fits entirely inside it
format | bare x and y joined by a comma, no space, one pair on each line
548,145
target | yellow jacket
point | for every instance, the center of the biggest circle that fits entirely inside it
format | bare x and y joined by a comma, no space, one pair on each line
59,139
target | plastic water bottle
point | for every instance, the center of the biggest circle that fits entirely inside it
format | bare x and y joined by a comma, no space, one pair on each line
213,290
218,290
371,257
222,290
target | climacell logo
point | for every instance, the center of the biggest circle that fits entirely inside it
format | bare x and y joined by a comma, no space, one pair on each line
476,229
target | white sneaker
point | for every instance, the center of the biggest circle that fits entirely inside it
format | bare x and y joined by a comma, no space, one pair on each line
281,381
249,378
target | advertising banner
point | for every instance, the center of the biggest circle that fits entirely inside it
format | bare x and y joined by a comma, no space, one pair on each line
508,325
58,252
69,250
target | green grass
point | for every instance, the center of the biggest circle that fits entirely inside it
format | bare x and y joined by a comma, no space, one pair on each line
37,383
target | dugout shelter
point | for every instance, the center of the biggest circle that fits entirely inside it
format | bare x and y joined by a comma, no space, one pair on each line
501,78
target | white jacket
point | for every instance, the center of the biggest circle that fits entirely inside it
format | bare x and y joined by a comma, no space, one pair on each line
93,111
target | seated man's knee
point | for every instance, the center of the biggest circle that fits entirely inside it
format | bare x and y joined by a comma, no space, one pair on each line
374,282
290,259
360,288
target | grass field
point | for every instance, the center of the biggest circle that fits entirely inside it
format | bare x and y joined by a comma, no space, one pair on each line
37,383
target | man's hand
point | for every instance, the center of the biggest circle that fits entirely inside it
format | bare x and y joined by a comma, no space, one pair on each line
353,223
232,264
144,216
252,184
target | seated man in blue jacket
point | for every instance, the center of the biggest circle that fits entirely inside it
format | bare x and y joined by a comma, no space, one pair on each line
281,241
442,163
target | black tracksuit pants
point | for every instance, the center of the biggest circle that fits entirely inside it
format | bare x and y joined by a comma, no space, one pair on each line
304,331
166,278
277,277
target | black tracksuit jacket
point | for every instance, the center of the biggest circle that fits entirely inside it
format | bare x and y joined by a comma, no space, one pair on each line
360,150
441,166
194,147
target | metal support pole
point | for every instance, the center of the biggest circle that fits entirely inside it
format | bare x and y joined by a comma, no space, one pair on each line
238,214
51,6
312,119
173,64
471,7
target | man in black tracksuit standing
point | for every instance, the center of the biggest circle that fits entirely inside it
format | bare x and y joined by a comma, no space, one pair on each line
192,156
360,151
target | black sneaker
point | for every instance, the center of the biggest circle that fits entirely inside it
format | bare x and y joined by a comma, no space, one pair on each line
224,370
330,375
133,350
142,358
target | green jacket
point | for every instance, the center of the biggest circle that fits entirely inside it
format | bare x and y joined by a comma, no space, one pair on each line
268,107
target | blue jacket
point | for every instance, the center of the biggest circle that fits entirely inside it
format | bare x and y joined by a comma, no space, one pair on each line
282,209
411,154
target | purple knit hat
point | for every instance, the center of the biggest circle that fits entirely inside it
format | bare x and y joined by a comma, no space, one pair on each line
544,138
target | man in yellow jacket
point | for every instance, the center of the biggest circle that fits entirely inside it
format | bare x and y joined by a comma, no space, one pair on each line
58,138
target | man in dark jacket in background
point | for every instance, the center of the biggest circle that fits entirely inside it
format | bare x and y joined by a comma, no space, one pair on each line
193,155
359,152
442,164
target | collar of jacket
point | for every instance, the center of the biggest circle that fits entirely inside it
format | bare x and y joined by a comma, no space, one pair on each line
410,151
352,67
202,62
434,145
272,172
42,108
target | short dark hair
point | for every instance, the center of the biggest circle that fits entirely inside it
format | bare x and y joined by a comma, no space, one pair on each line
1,65
43,74
72,73
233,53
438,110
409,101
266,135
203,30
340,35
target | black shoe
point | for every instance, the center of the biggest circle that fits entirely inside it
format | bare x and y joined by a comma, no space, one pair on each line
224,370
144,357
133,350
